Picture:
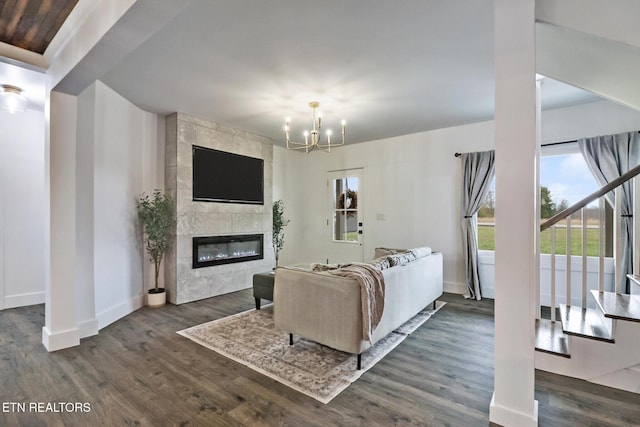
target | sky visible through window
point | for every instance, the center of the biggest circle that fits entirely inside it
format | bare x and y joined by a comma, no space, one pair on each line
567,177
352,183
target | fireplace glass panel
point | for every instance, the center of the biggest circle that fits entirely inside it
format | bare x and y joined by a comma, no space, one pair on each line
214,250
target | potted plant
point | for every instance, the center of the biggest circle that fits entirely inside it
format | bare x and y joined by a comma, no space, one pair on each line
279,223
156,215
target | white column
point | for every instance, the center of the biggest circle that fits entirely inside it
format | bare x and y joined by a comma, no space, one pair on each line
513,402
4,142
537,213
84,196
60,330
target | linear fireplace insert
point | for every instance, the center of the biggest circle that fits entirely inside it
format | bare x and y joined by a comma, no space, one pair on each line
217,250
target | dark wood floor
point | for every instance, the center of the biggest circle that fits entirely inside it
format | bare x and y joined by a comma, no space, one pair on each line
138,371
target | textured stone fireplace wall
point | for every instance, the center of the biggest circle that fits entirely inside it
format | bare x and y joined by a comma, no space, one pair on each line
183,283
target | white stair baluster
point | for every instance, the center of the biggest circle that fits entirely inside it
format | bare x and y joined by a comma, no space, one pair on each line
553,273
601,242
584,258
636,229
568,259
617,241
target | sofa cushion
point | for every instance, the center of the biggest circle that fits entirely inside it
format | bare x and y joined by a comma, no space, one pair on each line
381,263
380,252
421,251
401,258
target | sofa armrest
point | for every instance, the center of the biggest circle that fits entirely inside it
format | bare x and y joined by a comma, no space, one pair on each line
320,307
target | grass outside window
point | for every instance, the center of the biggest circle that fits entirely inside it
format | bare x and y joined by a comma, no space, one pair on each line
486,240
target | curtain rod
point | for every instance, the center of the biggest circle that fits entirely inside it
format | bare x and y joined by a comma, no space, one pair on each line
543,145
558,143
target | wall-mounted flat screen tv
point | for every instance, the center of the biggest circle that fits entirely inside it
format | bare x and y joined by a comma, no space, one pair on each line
224,177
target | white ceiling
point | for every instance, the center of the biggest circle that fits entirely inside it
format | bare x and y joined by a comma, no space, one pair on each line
388,68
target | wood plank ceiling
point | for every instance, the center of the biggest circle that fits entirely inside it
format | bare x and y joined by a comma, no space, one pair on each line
32,24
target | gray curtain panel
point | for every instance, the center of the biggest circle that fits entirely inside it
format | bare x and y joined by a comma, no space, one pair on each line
609,157
478,171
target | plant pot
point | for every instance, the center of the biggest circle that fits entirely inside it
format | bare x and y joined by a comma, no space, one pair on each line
156,298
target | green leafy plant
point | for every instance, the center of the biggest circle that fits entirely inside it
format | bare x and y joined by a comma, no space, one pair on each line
156,214
279,223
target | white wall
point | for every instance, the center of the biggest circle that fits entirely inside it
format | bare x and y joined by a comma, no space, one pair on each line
592,119
22,193
22,208
414,181
122,145
288,171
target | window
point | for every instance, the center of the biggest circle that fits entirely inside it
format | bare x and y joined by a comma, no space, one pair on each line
564,180
486,220
345,209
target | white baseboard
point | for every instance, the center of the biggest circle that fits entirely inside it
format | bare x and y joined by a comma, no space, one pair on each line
508,417
455,288
119,311
624,379
88,328
59,340
22,300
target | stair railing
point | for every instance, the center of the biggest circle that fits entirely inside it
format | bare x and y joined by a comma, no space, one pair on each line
580,208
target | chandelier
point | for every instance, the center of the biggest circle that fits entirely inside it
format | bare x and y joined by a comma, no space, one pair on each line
12,99
312,137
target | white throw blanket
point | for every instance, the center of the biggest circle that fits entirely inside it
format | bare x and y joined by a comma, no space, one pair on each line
371,284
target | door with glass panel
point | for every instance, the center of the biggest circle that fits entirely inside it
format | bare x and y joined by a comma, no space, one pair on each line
345,226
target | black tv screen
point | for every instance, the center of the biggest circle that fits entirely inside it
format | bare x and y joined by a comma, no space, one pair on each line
219,176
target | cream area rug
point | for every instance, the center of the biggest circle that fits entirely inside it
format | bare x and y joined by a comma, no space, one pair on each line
250,338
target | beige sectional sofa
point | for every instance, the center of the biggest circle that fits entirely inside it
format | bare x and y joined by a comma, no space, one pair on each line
327,309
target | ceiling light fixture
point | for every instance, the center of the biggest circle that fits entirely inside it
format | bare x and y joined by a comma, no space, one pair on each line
12,99
312,137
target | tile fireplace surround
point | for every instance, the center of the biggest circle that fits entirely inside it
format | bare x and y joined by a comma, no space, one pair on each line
197,219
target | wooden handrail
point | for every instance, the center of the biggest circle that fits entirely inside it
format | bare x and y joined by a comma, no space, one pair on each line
590,198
